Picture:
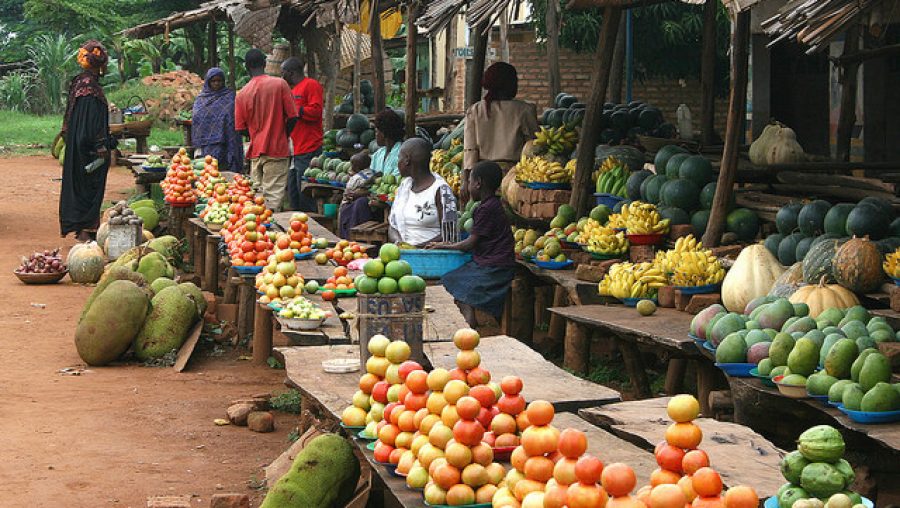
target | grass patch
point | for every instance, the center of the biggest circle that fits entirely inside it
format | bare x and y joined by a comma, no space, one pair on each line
24,134
288,402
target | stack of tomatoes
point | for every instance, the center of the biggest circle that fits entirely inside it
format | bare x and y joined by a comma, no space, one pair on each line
178,184
248,241
210,178
240,187
344,252
300,239
340,280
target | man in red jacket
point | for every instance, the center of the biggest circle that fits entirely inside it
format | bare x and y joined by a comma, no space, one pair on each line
307,133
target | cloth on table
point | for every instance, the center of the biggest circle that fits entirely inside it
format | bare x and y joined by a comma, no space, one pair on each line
482,287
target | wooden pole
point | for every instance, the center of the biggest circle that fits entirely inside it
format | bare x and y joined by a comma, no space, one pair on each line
262,334
232,71
377,61
737,107
708,74
581,184
551,20
849,85
504,35
617,74
412,96
357,68
213,44
334,66
479,52
449,74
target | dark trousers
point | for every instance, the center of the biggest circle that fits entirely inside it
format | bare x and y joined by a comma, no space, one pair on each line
298,200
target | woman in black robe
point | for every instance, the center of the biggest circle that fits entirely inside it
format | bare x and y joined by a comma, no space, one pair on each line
86,131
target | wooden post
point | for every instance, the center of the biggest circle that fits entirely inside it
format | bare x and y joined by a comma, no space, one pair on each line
634,366
675,375
479,51
246,308
577,353
232,71
412,84
557,329
617,74
504,35
213,44
262,334
198,251
334,65
706,379
211,264
522,298
551,20
737,107
449,74
849,85
581,184
377,61
708,73
357,68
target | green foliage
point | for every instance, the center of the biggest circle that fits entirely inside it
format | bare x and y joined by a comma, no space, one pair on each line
53,59
288,402
15,91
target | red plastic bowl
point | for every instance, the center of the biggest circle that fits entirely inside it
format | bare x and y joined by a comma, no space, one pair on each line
645,239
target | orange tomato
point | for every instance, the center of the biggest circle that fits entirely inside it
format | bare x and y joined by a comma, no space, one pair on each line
707,482
618,479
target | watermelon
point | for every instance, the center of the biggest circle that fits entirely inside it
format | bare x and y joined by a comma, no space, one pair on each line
675,215
889,244
567,100
347,138
803,247
650,118
618,206
787,249
811,219
744,223
366,137
555,119
868,219
558,100
681,193
836,219
699,221
653,184
786,218
698,169
883,205
894,229
772,242
663,156
635,182
673,167
708,194
357,123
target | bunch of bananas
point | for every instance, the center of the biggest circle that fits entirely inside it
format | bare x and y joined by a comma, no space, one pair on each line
643,219
628,280
616,221
538,169
613,176
601,239
444,163
555,140
892,264
697,269
669,260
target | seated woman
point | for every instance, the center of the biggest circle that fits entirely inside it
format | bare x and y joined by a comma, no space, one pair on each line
355,205
389,131
423,199
483,282
212,124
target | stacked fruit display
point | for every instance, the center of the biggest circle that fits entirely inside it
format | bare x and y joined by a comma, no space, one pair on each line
301,308
612,178
679,457
209,178
340,280
388,274
246,237
368,402
298,237
48,261
629,280
328,170
279,280
566,111
641,218
540,170
385,187
240,189
447,163
602,240
816,472
689,264
343,252
216,213
178,184
154,162
555,141
533,460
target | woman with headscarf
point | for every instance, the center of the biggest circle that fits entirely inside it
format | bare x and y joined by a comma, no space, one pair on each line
499,126
389,131
86,131
212,123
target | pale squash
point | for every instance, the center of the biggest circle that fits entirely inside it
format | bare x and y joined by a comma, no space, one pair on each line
759,147
784,148
820,297
753,274
102,235
86,263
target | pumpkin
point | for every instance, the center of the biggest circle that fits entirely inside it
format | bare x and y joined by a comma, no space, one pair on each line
754,272
818,262
857,265
820,297
86,263
784,148
102,235
758,148
790,281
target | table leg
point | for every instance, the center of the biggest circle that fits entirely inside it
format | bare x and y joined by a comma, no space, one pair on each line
557,322
198,253
675,375
246,309
578,348
522,307
141,144
634,366
211,264
706,381
262,335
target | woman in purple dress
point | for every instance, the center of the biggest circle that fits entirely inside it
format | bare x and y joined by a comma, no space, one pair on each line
212,123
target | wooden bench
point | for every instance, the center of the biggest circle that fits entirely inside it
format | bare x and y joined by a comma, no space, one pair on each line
739,454
372,232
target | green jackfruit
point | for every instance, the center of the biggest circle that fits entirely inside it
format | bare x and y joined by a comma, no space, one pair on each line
162,283
323,475
153,266
112,322
193,292
168,324
167,245
111,275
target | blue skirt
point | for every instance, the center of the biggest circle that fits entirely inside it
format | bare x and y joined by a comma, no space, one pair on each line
482,287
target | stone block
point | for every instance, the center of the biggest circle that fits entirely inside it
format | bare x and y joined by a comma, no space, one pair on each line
261,421
700,302
666,297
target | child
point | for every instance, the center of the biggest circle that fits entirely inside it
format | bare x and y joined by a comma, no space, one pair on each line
483,282
355,205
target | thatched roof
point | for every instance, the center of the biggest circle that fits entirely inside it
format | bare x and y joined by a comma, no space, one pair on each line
816,23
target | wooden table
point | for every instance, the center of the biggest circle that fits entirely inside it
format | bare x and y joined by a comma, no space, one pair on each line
322,193
283,219
666,332
144,179
740,455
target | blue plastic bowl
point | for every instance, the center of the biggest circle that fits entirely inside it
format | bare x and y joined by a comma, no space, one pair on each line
555,265
304,255
434,263
871,416
707,345
699,290
736,369
896,281
772,502
248,270
765,380
821,398
548,186
608,200
835,404
632,302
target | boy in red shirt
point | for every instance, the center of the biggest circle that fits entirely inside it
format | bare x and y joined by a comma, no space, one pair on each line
307,134
264,109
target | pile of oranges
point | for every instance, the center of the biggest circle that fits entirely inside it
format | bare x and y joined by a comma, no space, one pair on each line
178,184
343,253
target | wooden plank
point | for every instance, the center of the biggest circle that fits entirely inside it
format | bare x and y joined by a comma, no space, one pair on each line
283,219
442,316
666,327
506,356
303,368
187,349
310,270
740,455
579,292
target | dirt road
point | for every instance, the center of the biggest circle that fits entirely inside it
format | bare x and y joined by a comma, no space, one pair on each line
115,435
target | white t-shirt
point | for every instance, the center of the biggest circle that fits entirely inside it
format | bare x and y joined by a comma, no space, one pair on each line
414,214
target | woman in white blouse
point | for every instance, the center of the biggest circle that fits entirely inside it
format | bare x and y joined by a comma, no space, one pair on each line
423,198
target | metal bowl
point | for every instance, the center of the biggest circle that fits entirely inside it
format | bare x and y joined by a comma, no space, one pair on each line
302,324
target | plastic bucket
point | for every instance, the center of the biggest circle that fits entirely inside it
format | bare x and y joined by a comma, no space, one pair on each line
608,200
330,210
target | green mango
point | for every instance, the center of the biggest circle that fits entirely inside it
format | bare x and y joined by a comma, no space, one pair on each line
852,396
732,350
882,397
832,315
801,324
816,336
776,314
781,347
876,369
801,309
836,392
819,383
765,367
803,358
780,370
858,363
840,358
854,329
